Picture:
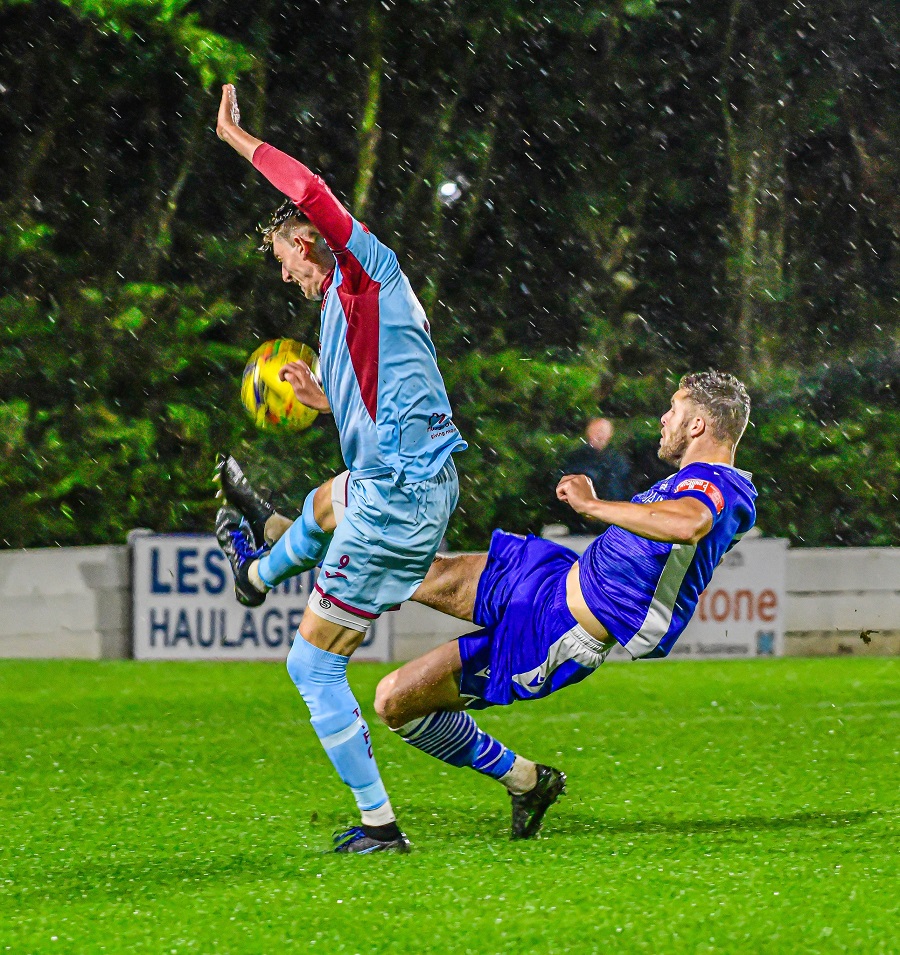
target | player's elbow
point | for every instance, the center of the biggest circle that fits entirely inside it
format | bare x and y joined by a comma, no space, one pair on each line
693,531
684,529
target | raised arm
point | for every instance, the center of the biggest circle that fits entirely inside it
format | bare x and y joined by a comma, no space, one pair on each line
682,521
308,191
228,125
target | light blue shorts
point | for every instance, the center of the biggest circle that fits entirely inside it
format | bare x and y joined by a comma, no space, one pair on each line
384,546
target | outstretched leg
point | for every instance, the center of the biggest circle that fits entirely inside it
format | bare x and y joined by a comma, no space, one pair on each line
422,703
302,545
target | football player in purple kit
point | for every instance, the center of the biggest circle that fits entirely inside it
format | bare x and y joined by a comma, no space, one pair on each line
549,618
380,380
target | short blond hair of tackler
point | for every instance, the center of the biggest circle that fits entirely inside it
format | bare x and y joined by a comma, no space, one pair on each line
724,399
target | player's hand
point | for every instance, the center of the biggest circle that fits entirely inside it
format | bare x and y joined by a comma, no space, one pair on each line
577,491
308,391
229,117
228,125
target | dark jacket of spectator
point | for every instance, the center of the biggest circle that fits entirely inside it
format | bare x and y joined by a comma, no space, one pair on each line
608,468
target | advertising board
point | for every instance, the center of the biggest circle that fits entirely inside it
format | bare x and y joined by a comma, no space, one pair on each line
184,608
742,611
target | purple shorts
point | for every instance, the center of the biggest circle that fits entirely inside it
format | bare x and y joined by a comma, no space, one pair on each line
530,645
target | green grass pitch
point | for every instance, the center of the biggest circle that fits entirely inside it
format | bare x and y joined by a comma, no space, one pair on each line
712,807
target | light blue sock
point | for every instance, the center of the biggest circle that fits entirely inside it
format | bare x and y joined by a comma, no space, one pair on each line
300,549
456,739
321,678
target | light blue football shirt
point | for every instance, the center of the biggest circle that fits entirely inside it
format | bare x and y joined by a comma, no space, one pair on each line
377,361
379,367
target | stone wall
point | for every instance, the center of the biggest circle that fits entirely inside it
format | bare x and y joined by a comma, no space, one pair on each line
65,602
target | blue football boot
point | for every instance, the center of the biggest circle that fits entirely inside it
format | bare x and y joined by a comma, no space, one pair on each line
236,540
358,840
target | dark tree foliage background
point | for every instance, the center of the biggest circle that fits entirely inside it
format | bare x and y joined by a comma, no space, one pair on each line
647,188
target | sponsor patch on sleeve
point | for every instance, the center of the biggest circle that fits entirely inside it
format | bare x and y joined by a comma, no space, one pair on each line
704,487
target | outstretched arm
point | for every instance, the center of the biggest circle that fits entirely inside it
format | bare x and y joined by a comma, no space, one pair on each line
682,521
228,125
308,191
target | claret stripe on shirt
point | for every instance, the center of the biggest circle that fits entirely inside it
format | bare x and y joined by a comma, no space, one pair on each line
358,292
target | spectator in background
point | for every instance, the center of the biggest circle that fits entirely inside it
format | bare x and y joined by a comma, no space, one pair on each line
607,467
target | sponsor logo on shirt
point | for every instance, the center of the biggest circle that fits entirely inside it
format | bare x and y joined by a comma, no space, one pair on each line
704,487
440,425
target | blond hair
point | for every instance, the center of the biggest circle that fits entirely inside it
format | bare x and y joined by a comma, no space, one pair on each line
724,399
284,222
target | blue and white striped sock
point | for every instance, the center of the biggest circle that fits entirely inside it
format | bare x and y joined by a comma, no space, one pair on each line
456,739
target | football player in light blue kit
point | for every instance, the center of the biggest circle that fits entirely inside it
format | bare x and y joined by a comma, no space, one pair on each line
550,617
381,381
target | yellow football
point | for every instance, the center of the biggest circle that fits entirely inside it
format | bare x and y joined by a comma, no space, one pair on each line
270,401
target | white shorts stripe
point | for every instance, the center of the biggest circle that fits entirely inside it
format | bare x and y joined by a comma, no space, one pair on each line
575,644
334,614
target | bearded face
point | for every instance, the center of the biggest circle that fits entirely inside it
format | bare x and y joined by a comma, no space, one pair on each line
675,436
674,443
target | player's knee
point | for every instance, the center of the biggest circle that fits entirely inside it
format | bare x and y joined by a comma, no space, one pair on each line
295,667
388,704
383,698
276,527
